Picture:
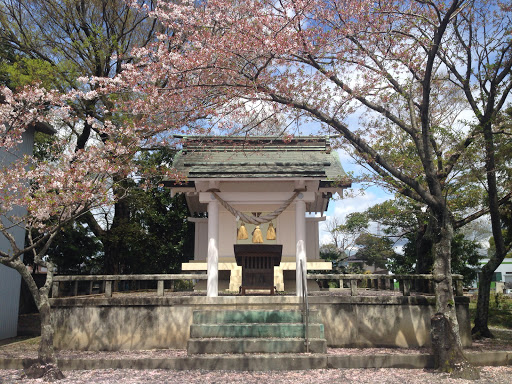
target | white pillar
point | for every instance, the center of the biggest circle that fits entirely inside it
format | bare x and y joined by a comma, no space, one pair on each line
300,239
212,288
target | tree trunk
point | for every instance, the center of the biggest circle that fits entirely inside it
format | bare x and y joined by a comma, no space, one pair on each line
114,262
46,353
482,310
111,255
446,341
481,328
448,355
445,301
112,237
424,259
46,366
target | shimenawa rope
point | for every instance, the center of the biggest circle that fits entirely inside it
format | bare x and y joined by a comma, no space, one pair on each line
253,219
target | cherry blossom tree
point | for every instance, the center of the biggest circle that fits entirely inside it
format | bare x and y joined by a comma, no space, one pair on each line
325,61
41,196
55,42
328,61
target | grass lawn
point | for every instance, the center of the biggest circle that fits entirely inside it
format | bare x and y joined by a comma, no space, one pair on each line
500,322
500,311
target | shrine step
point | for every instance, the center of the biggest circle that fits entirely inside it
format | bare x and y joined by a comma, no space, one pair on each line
250,345
283,330
253,316
254,331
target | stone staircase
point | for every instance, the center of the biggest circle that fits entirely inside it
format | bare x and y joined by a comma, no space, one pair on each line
254,331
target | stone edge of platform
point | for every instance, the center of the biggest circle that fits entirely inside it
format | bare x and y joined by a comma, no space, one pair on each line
278,362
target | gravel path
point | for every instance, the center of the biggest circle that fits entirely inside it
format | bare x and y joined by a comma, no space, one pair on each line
494,375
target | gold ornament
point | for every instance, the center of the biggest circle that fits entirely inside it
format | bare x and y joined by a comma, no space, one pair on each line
242,233
271,232
256,235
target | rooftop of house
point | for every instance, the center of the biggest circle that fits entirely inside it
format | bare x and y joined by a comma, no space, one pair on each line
44,128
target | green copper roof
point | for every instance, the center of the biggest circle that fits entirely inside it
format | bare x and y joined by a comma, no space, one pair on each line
259,157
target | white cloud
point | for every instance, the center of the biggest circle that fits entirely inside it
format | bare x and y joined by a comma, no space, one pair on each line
325,238
343,207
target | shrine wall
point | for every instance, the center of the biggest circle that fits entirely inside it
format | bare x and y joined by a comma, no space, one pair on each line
285,234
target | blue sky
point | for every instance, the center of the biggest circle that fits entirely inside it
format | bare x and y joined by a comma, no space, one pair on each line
362,200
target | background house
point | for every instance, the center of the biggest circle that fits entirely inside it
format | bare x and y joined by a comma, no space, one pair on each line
10,280
502,277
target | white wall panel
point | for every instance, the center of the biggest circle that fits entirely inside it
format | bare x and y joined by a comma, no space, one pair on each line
10,280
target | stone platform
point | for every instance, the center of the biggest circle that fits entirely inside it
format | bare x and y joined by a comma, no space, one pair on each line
151,322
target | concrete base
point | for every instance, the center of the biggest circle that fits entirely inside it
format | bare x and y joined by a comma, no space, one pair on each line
137,323
268,363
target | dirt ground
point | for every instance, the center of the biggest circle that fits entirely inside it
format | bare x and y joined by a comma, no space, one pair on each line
488,375
27,348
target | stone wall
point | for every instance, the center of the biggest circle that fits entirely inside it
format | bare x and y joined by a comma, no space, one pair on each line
384,321
136,323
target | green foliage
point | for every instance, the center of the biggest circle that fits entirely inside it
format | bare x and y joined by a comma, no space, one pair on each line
24,71
158,237
354,268
183,285
506,221
45,147
499,301
76,251
402,217
503,145
397,216
500,310
355,223
330,252
17,69
465,258
374,250
404,263
155,237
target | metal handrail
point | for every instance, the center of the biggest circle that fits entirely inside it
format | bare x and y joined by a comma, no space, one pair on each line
305,306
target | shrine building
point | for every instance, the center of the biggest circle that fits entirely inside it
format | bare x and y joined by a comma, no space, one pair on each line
257,196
